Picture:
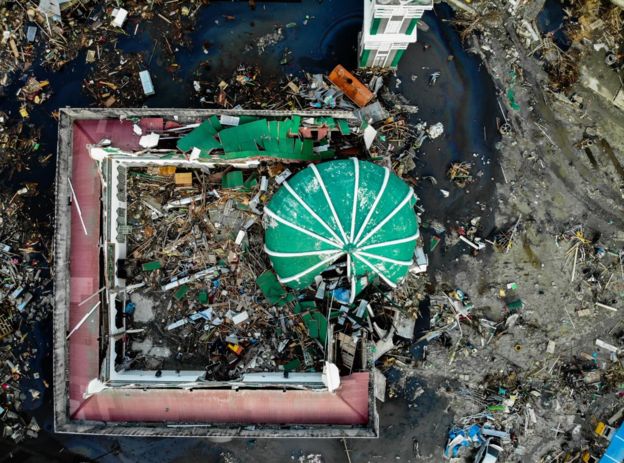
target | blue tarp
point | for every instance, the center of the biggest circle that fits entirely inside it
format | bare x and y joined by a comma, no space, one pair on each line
615,451
471,436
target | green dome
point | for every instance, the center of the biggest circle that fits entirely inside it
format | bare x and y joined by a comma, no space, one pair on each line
343,207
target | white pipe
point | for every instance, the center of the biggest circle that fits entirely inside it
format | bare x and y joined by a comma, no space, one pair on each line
77,206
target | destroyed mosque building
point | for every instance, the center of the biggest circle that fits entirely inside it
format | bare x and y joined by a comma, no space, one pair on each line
219,273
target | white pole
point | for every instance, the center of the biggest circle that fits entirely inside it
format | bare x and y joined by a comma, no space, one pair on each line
84,319
77,207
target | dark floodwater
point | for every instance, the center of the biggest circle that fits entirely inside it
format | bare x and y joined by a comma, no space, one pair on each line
464,100
550,21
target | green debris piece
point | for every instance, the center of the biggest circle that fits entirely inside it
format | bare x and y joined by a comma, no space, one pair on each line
315,322
513,286
251,182
151,266
435,240
516,305
322,327
273,129
214,121
330,122
313,328
308,148
304,306
511,96
496,408
247,137
246,119
202,297
240,206
270,139
343,125
290,25
233,179
202,137
271,145
293,365
36,146
294,127
272,289
181,292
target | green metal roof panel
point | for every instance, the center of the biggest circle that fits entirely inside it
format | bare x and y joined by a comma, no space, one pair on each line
342,208
202,137
343,125
247,137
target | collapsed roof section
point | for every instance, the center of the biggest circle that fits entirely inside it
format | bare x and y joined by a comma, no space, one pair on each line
240,138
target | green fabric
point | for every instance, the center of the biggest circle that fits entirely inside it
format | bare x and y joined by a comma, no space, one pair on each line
364,58
412,25
338,178
375,26
397,58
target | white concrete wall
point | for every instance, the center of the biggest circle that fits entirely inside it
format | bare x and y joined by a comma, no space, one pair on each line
389,37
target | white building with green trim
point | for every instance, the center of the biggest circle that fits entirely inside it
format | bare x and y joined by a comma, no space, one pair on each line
389,27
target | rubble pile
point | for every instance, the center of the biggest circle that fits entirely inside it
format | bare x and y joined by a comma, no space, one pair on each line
203,294
511,403
391,129
596,269
116,82
208,298
25,300
50,33
19,142
176,18
247,88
